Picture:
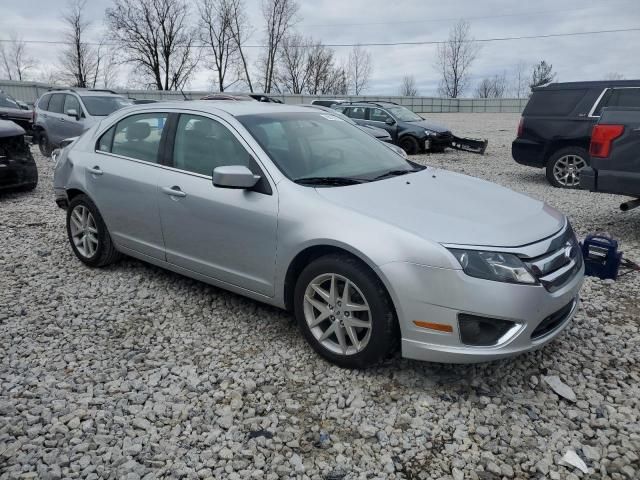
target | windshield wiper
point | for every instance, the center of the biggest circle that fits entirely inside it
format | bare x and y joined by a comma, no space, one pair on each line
339,181
392,173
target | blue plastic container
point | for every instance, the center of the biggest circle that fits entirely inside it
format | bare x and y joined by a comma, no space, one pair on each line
601,256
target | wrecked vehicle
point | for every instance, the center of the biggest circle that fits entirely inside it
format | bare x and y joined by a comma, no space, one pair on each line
12,109
410,131
18,171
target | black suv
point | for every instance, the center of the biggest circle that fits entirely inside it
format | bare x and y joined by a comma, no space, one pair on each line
556,124
408,130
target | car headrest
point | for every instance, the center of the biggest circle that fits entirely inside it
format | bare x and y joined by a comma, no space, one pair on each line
202,127
138,131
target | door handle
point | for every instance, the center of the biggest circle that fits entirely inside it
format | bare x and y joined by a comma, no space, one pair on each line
95,170
174,191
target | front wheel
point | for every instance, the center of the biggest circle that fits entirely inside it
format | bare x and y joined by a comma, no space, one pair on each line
344,312
43,144
564,167
88,235
409,144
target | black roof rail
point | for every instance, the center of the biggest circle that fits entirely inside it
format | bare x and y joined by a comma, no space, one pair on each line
106,90
60,89
372,102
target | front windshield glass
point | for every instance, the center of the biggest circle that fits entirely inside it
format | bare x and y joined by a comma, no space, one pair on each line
103,106
7,102
404,114
312,145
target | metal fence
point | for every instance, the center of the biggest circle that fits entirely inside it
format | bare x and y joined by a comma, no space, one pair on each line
29,92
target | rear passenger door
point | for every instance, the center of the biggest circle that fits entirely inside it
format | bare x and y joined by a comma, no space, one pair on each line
121,178
225,234
54,124
71,126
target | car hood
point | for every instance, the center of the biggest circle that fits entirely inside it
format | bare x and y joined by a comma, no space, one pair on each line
433,126
10,129
451,208
16,113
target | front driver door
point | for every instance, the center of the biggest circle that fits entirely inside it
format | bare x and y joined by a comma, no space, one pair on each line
225,234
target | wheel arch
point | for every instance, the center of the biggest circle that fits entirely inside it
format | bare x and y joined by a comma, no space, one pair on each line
561,143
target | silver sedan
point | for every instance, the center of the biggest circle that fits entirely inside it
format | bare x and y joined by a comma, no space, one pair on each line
299,209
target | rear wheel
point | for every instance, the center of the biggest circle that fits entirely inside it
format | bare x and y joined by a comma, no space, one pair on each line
409,144
88,235
564,166
344,312
43,144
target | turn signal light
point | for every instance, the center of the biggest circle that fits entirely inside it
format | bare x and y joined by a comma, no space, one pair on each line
440,327
601,139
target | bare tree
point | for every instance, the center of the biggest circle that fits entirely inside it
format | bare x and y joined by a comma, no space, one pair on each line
279,16
492,87
408,87
107,65
359,69
240,31
614,76
321,70
156,38
520,82
216,32
293,68
454,60
16,62
79,58
542,74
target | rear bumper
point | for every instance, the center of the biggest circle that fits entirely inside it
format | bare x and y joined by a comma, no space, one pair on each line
610,181
528,153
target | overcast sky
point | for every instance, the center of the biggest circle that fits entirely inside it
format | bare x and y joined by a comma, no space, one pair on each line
351,21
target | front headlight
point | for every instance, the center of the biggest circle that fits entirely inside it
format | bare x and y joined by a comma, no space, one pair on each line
496,266
430,133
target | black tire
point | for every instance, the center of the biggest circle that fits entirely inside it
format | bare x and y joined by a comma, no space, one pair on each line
43,144
409,144
557,157
384,328
105,253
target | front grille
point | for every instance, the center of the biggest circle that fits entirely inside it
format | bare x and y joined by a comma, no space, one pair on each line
556,267
553,321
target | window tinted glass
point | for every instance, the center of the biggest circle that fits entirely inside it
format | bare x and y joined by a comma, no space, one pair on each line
56,102
378,115
138,136
404,114
71,102
103,106
202,144
625,97
553,102
319,145
43,103
356,112
604,101
104,144
7,102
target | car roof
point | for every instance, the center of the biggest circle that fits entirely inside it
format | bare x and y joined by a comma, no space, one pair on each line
230,107
589,84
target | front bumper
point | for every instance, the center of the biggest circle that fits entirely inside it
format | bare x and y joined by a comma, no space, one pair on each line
438,295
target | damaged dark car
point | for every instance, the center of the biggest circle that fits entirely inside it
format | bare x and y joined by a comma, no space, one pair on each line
413,133
18,170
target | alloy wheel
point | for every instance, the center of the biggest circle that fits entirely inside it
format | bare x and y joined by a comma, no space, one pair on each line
84,231
566,170
338,314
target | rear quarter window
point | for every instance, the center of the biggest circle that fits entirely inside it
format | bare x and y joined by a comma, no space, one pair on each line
553,103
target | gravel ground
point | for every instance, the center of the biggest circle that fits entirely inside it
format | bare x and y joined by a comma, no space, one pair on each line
135,372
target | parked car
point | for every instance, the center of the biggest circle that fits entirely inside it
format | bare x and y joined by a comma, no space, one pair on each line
375,132
295,209
10,109
60,114
615,155
408,130
328,102
18,170
142,101
229,96
555,128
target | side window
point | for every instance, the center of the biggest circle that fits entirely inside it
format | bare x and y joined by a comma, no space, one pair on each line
340,109
56,103
357,113
43,103
625,97
378,115
71,103
202,144
106,140
138,136
604,101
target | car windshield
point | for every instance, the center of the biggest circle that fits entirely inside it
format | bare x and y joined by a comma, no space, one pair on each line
103,106
404,114
7,102
322,146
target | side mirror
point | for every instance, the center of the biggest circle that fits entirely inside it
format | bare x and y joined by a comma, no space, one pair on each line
72,112
234,176
390,121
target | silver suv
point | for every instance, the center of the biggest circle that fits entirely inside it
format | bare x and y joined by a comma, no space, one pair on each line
67,113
